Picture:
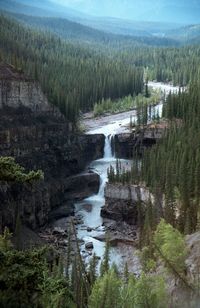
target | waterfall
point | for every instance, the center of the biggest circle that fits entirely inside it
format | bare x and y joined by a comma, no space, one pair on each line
108,147
108,155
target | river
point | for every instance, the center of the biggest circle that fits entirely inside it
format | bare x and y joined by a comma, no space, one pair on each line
92,227
89,209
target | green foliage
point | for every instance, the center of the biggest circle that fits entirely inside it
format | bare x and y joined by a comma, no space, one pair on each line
150,292
105,262
124,104
55,292
121,174
171,167
171,245
106,292
10,171
5,240
145,292
73,76
26,280
146,259
32,279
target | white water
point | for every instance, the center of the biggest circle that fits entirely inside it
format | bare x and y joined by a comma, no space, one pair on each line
119,123
90,208
163,87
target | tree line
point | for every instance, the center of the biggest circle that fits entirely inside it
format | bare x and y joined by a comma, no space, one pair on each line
72,76
172,166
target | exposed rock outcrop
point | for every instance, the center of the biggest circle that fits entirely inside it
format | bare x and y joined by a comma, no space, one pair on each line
125,144
123,202
37,135
81,186
17,90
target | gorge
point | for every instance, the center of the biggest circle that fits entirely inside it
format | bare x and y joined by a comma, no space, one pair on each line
37,135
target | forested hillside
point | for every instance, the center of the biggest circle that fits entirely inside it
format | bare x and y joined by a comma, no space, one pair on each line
75,31
72,76
76,76
172,166
99,65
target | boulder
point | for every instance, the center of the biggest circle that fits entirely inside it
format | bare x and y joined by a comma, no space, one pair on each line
89,229
81,186
62,211
89,245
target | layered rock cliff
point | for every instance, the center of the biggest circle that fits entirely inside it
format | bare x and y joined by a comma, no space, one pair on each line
125,144
37,135
123,202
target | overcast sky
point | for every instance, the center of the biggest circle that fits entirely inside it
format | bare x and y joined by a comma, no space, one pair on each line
135,9
112,7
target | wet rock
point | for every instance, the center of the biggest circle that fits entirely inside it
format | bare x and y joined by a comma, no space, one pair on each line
78,221
87,207
88,182
101,237
89,229
62,211
89,245
81,242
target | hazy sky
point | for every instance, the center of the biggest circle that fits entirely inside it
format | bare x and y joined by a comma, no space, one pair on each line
127,8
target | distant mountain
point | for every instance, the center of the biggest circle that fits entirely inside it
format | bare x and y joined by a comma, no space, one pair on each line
129,27
66,29
71,24
47,8
73,31
187,34
43,8
176,11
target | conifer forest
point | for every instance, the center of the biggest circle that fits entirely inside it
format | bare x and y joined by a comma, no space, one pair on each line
99,154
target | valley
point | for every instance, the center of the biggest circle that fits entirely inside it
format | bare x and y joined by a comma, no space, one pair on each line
99,154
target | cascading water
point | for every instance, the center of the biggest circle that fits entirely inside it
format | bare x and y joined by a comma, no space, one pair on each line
90,208
93,218
107,159
108,147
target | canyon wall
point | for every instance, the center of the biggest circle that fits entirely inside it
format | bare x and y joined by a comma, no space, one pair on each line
126,144
37,135
125,202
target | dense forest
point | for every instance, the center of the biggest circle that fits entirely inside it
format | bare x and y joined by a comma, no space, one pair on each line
84,69
72,76
172,166
75,76
37,276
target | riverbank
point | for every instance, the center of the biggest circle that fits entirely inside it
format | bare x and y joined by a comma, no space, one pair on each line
120,122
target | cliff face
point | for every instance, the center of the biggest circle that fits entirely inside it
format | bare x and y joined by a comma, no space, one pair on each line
126,202
37,135
17,90
124,144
